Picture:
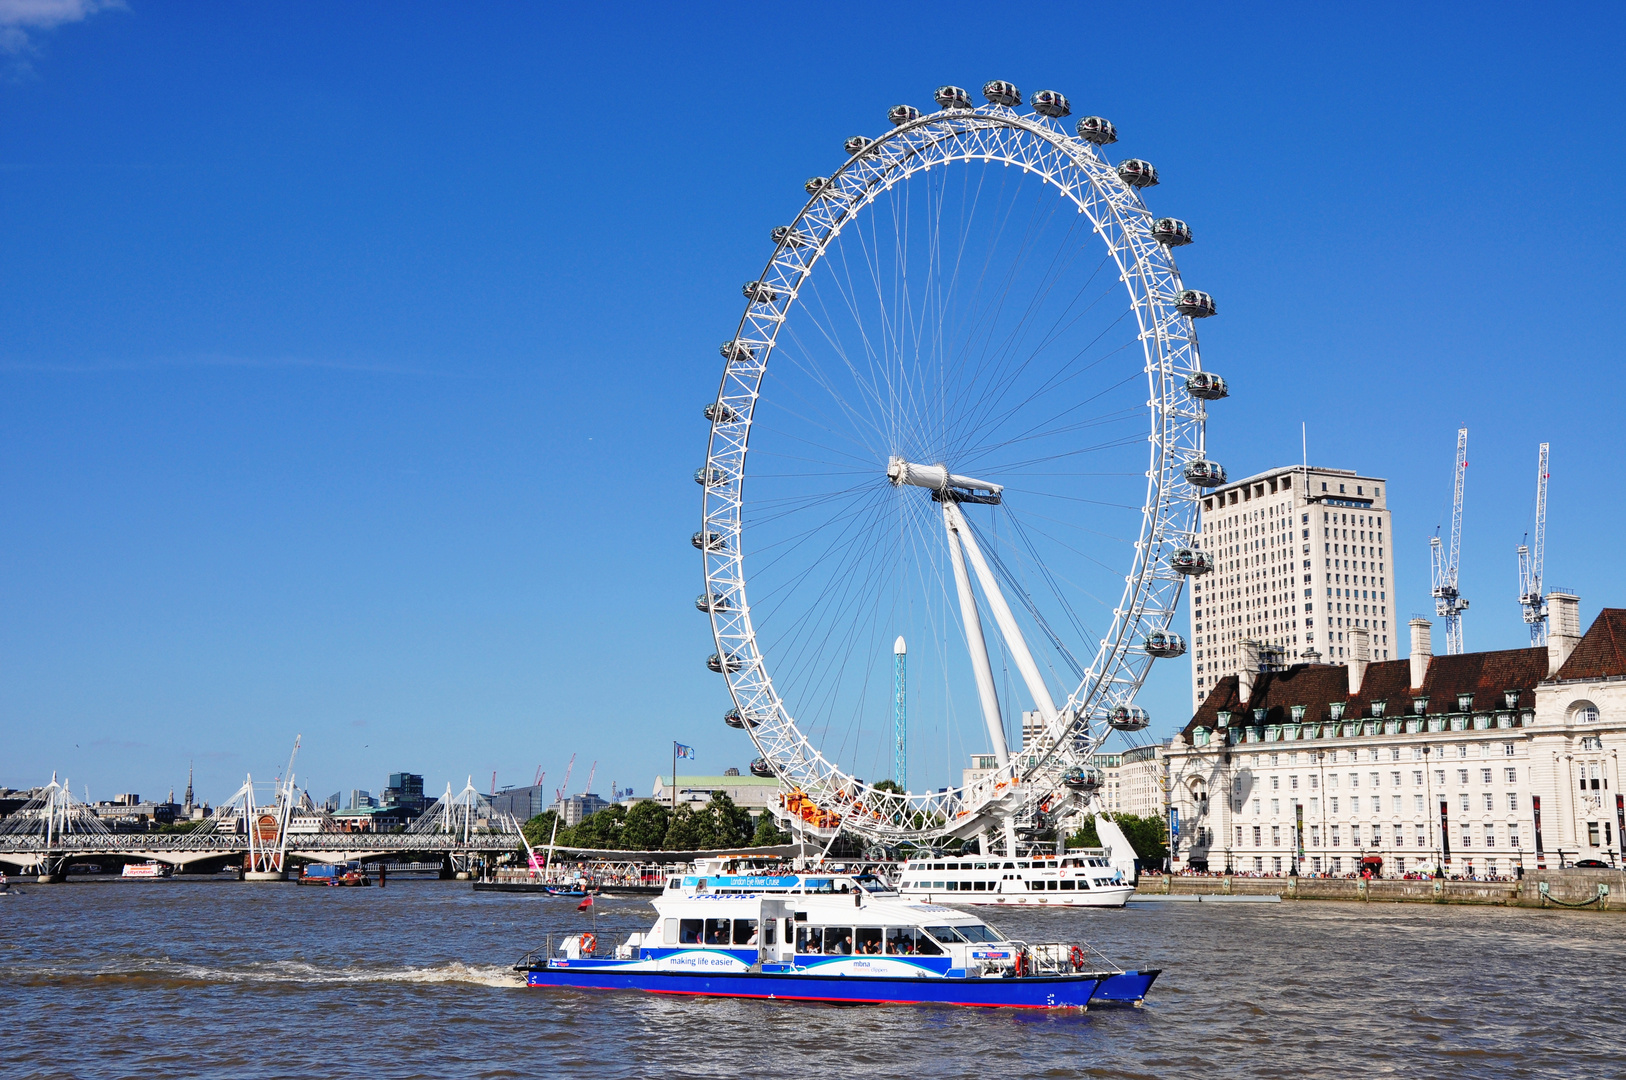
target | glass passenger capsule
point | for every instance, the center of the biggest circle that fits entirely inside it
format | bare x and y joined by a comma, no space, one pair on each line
710,602
708,541
1190,561
1000,92
1165,644
759,292
1098,130
710,476
816,184
856,144
716,663
718,413
1205,474
1206,386
1085,778
1195,303
902,114
734,720
736,350
1129,718
784,234
1137,173
952,97
1051,103
1171,231
760,767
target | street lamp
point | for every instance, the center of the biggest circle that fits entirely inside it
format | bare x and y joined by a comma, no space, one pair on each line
1428,786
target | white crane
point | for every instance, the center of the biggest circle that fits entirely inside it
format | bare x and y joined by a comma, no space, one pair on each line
1530,562
1448,602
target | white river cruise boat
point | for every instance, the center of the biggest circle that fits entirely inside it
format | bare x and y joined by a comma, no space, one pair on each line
830,937
1039,881
1093,877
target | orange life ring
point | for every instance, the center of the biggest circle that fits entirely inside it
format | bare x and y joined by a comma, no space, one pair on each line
1076,958
589,944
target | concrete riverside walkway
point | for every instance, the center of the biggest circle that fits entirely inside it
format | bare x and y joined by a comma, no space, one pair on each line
1590,890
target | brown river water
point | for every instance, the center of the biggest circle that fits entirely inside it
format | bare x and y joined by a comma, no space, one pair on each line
215,978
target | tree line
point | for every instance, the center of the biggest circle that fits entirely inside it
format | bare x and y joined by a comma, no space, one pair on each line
654,826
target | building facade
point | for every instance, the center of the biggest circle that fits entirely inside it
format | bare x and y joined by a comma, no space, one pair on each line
1480,764
1302,556
1133,781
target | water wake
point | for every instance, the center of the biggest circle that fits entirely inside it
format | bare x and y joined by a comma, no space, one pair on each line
170,973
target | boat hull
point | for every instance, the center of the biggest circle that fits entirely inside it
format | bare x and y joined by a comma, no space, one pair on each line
1041,992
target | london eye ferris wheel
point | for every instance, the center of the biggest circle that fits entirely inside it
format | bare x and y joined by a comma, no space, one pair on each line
963,407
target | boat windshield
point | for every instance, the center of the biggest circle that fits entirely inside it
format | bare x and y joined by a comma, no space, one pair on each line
945,934
977,932
873,884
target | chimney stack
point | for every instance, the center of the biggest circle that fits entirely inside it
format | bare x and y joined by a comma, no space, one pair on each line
1360,654
1248,673
1563,628
1422,650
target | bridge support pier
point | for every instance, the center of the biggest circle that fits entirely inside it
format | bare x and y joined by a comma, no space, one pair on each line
447,870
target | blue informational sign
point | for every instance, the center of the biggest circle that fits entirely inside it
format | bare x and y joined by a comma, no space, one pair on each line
1174,823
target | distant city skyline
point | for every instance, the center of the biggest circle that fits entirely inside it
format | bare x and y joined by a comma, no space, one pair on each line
352,377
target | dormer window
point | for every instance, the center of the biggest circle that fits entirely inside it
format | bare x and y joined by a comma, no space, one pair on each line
1259,716
1378,707
1419,705
1298,713
1337,710
1511,698
1224,717
1465,702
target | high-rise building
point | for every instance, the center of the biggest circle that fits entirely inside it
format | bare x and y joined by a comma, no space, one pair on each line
405,790
1301,555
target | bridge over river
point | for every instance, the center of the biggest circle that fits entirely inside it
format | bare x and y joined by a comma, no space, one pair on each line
52,832
212,852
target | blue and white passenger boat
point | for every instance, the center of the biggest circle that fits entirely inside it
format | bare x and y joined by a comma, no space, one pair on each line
833,938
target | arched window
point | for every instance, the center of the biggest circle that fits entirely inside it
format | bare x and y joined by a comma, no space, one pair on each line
1584,712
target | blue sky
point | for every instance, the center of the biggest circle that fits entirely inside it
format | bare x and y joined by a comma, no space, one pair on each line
351,357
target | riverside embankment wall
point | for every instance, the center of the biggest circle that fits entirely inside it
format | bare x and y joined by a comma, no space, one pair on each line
1591,890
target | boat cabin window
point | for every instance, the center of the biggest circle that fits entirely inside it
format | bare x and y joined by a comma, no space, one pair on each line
1024,866
689,931
945,934
1010,866
810,939
717,931
671,934
907,941
745,931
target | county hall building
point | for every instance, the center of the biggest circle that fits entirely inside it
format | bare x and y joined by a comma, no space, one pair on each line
1479,763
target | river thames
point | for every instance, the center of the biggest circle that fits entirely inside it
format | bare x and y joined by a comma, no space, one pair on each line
218,978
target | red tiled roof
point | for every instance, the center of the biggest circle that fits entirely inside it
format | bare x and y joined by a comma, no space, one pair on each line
1487,676
1601,653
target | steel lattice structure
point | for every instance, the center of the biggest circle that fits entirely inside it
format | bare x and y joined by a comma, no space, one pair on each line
1075,170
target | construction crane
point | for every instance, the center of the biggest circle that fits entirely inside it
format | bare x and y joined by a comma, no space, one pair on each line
590,774
1448,602
559,795
1530,562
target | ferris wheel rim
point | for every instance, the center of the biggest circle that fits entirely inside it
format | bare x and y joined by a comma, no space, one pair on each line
1176,438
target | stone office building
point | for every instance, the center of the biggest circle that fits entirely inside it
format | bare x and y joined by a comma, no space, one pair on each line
1478,764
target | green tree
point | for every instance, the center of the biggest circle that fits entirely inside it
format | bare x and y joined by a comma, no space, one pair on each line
730,826
540,828
645,826
768,834
1147,835
600,830
686,831
889,785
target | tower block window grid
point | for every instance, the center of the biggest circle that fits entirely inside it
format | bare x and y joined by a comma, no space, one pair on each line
1301,556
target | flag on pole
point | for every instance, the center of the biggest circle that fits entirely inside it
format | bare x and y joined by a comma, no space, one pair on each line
585,904
685,751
